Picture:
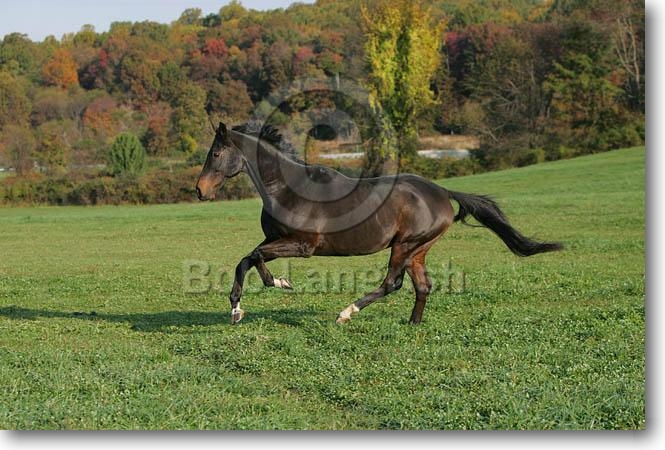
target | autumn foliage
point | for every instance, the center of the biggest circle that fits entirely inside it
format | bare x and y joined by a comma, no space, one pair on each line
60,70
530,80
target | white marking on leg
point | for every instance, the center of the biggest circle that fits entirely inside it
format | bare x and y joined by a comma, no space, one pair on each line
282,283
237,314
345,315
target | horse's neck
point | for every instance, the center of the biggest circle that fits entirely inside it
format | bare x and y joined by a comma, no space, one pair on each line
268,168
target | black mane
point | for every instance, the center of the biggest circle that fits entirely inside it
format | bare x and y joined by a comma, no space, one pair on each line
270,134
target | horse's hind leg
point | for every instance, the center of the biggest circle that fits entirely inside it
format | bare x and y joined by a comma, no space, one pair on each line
421,282
392,282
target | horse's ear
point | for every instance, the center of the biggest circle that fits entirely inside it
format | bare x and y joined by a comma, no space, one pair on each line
222,129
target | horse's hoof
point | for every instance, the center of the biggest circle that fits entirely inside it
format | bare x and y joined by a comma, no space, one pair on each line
341,320
282,283
237,315
345,316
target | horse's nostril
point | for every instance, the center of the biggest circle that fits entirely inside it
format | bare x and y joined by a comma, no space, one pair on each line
198,193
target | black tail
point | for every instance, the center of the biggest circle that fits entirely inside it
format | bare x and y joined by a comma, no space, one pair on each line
487,212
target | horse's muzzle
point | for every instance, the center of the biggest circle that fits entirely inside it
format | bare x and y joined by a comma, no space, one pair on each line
209,195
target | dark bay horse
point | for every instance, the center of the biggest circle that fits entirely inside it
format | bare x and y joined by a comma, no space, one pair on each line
315,211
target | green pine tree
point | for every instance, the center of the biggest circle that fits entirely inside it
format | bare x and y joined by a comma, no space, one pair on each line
127,156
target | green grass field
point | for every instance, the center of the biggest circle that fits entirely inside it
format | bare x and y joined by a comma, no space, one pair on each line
103,325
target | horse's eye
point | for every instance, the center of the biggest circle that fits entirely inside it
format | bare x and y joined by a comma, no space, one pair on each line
216,154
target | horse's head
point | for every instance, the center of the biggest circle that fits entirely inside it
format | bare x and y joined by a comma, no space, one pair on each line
224,161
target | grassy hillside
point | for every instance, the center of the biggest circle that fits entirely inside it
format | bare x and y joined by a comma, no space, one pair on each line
102,324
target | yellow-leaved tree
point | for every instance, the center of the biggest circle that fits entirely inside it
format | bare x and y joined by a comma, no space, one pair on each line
402,47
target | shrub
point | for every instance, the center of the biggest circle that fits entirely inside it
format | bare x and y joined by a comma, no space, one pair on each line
529,156
127,156
435,169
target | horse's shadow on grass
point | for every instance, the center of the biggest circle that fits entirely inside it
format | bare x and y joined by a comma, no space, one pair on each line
159,321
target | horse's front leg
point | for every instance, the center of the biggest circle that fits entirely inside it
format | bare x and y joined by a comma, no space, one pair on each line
282,248
267,278
236,291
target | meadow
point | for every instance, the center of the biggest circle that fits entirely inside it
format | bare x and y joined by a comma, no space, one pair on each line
118,318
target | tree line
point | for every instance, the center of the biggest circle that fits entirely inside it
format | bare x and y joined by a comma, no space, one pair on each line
534,80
